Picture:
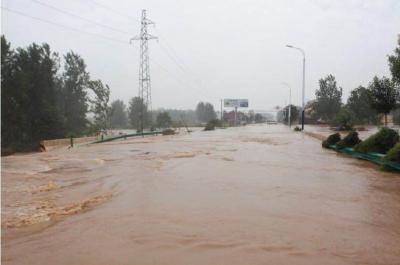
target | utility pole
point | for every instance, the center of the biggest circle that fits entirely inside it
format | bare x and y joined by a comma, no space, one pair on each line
144,70
235,116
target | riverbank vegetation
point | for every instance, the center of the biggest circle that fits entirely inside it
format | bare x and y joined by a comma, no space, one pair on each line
42,100
46,96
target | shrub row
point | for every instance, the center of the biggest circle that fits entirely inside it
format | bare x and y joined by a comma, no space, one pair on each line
349,141
331,140
381,142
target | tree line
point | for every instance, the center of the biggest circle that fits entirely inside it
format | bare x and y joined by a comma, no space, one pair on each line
365,105
48,96
42,101
123,117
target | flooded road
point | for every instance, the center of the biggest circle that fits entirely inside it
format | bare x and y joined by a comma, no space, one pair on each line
249,195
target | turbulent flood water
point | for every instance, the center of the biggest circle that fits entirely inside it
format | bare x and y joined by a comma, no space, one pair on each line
249,195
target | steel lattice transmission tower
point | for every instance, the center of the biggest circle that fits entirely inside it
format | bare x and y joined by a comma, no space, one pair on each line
144,67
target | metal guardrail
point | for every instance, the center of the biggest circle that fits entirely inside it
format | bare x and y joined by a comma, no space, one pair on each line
124,136
373,157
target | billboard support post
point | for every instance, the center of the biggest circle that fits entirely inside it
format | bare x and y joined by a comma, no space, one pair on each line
235,103
221,112
235,116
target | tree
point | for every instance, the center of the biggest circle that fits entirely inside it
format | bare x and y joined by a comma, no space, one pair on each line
311,116
183,117
29,88
383,95
37,103
396,116
100,106
200,111
394,63
118,114
205,112
251,116
209,112
360,108
343,119
329,98
163,120
138,114
258,118
11,109
294,114
74,101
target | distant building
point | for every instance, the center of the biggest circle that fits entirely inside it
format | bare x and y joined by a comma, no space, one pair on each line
230,117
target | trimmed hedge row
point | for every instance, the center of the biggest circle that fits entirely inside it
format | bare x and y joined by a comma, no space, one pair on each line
349,141
393,154
331,140
380,142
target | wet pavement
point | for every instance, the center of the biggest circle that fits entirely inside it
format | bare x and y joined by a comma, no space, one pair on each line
250,195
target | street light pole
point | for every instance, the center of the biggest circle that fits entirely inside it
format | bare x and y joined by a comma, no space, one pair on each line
304,82
290,104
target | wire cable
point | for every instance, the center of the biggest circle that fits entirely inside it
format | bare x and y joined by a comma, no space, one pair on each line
172,57
113,10
63,26
104,37
80,17
173,52
181,81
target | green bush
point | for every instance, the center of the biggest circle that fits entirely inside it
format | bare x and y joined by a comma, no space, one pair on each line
349,141
380,142
393,154
343,120
331,140
210,126
297,129
168,132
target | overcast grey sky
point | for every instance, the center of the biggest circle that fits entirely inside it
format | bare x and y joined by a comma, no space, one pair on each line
228,49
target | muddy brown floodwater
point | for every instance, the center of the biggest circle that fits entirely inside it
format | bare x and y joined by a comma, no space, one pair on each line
249,195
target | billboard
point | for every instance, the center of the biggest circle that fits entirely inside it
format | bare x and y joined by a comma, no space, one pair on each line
236,103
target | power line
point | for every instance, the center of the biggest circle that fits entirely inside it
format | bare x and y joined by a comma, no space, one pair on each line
180,67
181,62
113,10
170,52
80,17
80,31
102,36
172,58
63,26
181,81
